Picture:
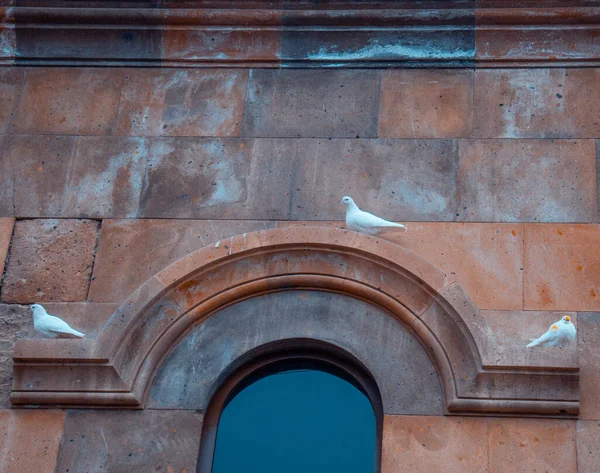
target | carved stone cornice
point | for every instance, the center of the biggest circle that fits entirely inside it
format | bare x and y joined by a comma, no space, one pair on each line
259,34
117,368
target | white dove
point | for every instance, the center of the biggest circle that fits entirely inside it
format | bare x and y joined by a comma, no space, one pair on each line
365,222
51,326
560,333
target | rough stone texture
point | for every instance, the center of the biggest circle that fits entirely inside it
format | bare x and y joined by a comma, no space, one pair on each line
50,260
404,373
130,441
6,180
11,81
527,181
588,445
396,179
312,103
219,179
426,103
15,321
532,445
588,337
537,103
414,444
486,259
6,229
513,330
562,267
131,251
69,101
534,44
105,177
76,177
182,102
36,174
217,45
29,440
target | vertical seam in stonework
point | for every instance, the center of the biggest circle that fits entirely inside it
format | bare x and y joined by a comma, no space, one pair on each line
457,146
98,232
144,185
10,243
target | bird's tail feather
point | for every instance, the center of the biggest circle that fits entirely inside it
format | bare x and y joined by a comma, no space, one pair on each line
73,334
396,228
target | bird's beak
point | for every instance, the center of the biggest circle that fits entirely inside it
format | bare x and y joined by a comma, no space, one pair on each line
567,318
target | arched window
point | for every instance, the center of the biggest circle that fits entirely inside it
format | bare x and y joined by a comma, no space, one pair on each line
303,408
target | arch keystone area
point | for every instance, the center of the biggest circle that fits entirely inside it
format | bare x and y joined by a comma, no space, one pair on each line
117,368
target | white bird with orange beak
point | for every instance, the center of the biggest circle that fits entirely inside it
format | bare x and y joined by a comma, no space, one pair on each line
559,334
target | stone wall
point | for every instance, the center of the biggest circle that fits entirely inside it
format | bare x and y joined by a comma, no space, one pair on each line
109,174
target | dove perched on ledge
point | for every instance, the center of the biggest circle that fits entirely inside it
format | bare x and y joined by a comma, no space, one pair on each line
560,333
51,326
365,222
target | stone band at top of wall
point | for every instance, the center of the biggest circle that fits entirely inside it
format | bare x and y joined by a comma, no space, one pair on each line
298,34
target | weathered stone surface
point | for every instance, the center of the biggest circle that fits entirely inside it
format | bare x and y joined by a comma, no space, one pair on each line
69,101
588,445
404,373
514,46
562,267
537,103
422,103
531,445
132,441
29,440
11,81
6,180
418,444
220,179
105,177
64,176
396,179
37,174
311,103
486,259
182,102
588,337
50,260
15,321
527,181
131,251
6,229
237,45
513,330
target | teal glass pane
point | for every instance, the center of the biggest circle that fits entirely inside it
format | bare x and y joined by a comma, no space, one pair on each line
298,421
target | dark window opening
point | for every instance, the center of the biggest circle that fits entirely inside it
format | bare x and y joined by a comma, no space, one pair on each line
303,410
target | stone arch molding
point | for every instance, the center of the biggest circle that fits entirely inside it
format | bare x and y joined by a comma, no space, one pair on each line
116,369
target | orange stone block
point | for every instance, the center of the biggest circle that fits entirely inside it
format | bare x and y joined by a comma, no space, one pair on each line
29,440
424,103
588,446
537,103
562,267
486,259
69,101
6,228
419,444
532,445
182,102
131,251
527,181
